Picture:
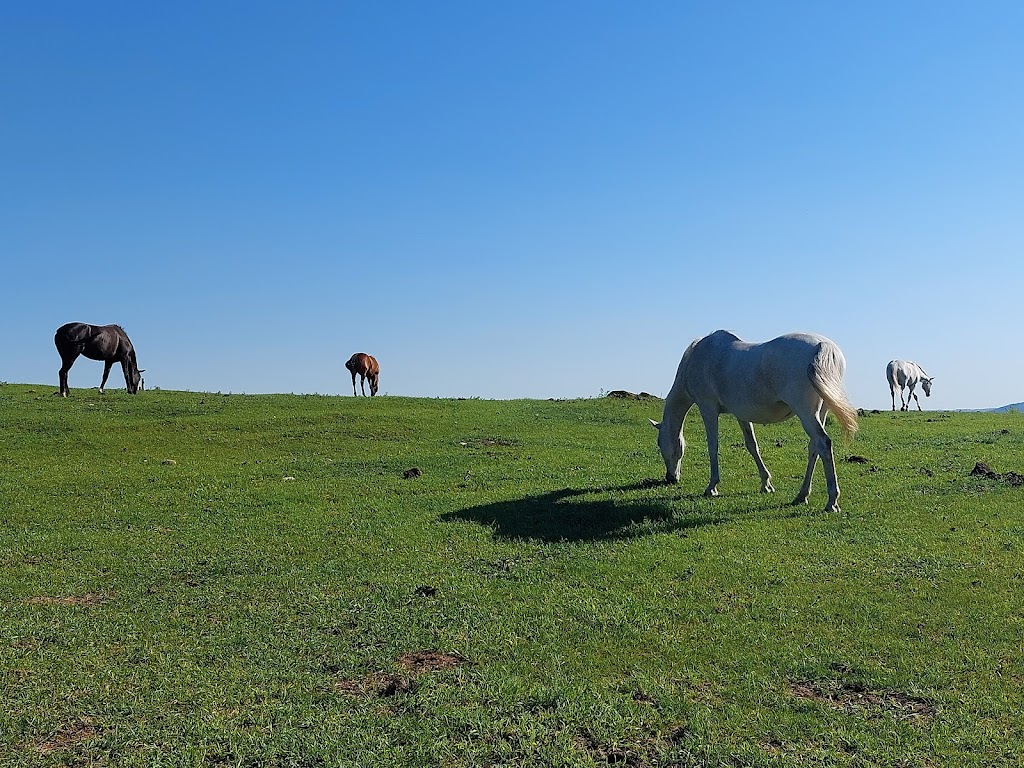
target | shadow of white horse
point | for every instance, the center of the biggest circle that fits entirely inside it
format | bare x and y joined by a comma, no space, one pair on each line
797,374
906,373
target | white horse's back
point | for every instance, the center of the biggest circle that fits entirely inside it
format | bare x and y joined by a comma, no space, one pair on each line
764,383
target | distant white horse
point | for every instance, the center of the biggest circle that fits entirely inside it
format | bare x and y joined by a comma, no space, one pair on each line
904,373
799,373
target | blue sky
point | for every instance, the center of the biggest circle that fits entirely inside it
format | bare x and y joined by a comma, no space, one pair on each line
508,200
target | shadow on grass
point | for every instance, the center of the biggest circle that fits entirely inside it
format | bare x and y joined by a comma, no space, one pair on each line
584,514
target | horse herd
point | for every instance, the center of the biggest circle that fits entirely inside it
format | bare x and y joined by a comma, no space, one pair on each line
798,374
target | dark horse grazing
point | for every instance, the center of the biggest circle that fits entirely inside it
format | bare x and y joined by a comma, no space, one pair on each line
366,367
108,343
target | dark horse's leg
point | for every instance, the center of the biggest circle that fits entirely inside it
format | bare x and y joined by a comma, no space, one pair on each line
66,362
362,384
354,393
107,365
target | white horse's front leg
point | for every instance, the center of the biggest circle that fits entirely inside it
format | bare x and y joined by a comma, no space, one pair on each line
711,428
751,442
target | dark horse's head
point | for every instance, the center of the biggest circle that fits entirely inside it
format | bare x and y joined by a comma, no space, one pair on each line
133,379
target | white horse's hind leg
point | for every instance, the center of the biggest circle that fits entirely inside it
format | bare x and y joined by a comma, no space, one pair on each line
819,446
751,442
805,490
710,418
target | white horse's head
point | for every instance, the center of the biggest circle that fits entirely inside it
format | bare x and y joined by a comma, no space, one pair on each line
671,447
926,385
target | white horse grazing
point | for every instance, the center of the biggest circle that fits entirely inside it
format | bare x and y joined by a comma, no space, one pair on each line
799,373
904,373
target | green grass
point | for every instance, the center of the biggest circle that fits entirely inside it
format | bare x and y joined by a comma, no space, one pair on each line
196,579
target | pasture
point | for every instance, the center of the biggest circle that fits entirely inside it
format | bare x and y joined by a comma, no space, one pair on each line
202,579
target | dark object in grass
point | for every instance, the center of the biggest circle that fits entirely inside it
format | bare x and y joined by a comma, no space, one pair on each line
622,394
856,459
981,469
412,472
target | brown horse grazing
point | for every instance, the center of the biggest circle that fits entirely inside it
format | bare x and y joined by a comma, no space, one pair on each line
366,367
108,343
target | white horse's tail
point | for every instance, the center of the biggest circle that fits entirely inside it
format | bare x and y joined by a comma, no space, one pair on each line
826,375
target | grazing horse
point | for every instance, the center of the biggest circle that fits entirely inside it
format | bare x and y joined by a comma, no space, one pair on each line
365,366
799,373
904,373
108,343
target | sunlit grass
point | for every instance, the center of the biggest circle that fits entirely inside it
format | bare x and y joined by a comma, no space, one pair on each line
197,579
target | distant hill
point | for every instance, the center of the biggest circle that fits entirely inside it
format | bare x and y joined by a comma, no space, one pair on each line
1010,407
1000,410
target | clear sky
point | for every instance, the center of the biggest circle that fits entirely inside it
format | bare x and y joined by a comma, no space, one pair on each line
503,200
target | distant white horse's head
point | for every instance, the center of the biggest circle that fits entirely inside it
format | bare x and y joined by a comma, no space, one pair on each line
671,447
926,385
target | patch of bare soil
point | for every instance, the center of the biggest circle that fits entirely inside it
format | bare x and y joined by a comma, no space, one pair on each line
646,752
416,663
853,697
88,599
68,736
981,469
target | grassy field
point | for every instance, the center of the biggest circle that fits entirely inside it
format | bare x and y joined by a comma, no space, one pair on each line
197,579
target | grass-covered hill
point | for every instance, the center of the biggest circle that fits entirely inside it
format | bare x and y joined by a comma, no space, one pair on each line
192,579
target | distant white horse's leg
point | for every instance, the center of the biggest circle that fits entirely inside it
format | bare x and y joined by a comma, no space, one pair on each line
710,418
892,391
913,394
751,442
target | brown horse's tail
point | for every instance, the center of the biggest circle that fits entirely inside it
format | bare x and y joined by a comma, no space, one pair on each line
826,375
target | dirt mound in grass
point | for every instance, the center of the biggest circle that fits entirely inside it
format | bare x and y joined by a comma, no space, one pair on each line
622,394
981,469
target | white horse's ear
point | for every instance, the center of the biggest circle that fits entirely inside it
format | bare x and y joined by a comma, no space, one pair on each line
655,424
